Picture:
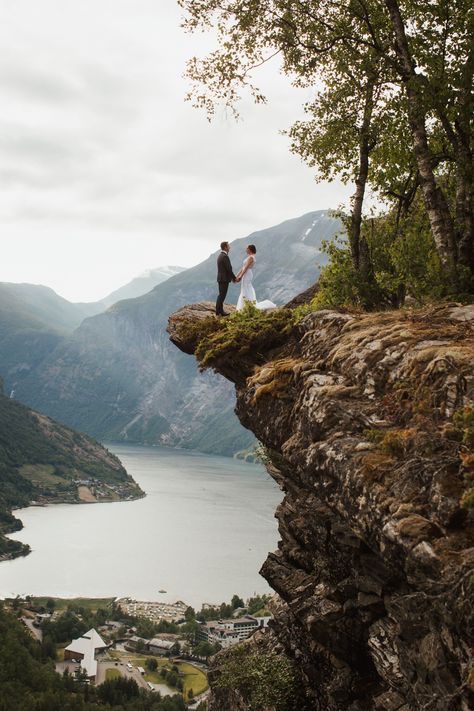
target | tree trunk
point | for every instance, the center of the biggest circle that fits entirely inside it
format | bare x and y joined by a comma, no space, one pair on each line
464,210
436,205
360,252
459,136
464,176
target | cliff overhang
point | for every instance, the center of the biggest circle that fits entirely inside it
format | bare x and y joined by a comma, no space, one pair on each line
368,425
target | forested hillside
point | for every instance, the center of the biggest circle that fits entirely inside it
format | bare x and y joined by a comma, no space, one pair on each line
44,461
28,681
34,320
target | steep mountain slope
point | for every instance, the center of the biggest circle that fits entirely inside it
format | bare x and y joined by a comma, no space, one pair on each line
34,320
44,461
368,426
118,377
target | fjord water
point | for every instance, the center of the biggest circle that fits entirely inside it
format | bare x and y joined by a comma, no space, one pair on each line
201,533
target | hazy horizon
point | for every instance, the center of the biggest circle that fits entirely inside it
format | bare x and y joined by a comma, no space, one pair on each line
145,273
106,171
104,295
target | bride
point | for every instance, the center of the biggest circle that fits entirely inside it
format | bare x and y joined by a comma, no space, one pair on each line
245,276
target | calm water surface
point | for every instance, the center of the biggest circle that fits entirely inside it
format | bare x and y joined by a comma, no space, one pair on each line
201,533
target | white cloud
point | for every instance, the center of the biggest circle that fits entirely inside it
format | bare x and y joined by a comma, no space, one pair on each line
105,171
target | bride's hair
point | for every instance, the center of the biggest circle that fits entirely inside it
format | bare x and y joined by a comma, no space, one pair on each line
252,248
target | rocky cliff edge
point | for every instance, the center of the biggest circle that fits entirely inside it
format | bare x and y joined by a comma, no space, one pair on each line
367,421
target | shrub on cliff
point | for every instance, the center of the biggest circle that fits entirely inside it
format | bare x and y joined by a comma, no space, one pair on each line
404,263
266,680
463,421
246,332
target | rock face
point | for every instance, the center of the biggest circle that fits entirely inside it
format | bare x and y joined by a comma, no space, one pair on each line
362,420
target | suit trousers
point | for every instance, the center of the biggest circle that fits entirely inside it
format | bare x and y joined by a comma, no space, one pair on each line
223,289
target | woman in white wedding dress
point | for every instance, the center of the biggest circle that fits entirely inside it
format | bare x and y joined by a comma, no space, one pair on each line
245,276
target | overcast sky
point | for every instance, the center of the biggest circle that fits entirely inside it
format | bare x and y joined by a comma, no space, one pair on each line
105,171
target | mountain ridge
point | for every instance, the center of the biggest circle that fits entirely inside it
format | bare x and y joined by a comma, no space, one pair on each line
138,286
118,378
34,320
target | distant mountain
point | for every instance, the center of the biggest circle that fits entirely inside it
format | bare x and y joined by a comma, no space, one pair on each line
38,307
43,460
140,285
118,377
34,320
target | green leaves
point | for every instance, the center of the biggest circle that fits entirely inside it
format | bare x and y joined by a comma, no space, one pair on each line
404,261
417,59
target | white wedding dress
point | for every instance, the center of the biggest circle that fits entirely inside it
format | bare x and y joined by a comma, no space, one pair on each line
247,292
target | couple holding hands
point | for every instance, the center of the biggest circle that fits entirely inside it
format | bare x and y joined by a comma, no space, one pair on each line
225,275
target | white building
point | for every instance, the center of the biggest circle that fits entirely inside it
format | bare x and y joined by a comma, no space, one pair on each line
85,649
230,632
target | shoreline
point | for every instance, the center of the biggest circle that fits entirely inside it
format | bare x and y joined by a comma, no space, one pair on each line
54,502
202,488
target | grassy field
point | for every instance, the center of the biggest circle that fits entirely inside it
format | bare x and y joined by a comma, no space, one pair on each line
263,612
42,474
112,674
154,677
85,494
194,678
90,603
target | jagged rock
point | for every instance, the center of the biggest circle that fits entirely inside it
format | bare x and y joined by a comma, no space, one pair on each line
375,567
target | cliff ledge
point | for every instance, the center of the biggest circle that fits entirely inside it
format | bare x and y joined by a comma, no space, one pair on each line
368,425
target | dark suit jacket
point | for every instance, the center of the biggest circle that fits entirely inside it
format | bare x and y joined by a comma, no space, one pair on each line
224,268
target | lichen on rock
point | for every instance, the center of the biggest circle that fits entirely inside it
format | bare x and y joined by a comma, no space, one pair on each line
366,421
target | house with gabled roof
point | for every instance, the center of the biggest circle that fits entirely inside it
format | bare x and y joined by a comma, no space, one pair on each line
85,649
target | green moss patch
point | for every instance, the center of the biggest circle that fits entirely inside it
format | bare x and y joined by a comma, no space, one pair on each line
244,333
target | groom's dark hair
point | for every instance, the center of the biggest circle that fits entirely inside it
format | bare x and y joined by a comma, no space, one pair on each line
224,245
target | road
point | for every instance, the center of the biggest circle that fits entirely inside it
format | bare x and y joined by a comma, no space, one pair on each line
35,631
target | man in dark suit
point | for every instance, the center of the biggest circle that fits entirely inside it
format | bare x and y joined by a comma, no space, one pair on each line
224,276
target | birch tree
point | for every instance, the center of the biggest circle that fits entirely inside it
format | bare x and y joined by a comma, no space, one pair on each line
425,50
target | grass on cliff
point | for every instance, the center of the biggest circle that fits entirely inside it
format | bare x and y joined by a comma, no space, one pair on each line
249,332
463,422
265,679
422,438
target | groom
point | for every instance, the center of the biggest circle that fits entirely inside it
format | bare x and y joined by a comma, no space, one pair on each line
224,276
